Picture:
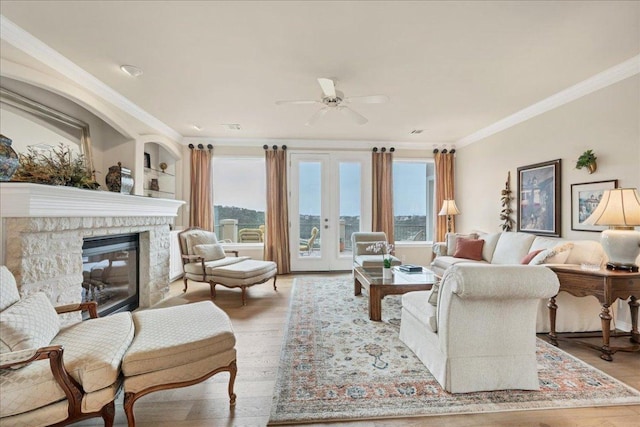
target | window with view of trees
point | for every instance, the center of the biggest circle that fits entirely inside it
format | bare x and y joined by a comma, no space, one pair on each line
413,198
239,198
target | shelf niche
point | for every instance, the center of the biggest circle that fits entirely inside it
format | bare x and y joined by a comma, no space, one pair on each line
159,183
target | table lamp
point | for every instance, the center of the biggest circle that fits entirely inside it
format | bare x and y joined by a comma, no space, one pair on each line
620,210
449,209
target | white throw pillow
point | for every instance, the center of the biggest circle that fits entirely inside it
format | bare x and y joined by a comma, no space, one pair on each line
555,255
210,252
199,237
32,322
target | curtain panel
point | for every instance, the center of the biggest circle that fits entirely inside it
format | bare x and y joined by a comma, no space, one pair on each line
276,241
201,204
444,191
382,197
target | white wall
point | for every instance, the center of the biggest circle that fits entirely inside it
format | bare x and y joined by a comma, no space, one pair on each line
606,121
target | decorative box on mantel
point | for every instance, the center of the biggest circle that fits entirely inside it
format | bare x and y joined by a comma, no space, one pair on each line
43,228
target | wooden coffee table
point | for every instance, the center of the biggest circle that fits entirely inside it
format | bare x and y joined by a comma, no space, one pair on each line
371,279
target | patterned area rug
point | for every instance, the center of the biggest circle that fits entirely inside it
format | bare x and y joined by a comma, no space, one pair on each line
338,365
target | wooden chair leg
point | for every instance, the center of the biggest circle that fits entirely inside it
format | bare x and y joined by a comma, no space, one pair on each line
274,282
213,290
129,400
233,370
185,284
244,295
108,414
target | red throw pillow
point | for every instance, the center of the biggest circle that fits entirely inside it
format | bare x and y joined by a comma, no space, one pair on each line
469,248
528,257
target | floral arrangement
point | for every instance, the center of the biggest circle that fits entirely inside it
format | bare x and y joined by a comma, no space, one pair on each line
386,249
57,167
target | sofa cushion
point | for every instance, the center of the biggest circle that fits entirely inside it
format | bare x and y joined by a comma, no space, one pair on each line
556,255
417,304
210,252
469,248
512,247
196,267
31,322
528,257
8,289
490,242
93,349
450,238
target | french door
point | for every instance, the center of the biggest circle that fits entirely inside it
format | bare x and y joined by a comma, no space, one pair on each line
330,198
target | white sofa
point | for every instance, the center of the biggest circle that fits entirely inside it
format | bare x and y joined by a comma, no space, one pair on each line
575,314
480,335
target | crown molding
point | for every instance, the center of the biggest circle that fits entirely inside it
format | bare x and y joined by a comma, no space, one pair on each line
601,80
21,39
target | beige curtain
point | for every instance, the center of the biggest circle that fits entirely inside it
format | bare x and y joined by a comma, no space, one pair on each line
276,242
444,191
382,215
201,205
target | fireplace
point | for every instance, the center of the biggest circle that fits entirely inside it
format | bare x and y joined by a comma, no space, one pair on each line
110,272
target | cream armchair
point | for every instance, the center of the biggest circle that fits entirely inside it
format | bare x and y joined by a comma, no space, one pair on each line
363,257
50,374
204,260
477,332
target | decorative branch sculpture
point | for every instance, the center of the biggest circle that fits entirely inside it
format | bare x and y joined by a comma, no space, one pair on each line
505,199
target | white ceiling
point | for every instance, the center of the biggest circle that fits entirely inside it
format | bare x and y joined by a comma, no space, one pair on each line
449,68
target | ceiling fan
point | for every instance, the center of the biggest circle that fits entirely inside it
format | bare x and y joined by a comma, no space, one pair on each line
335,100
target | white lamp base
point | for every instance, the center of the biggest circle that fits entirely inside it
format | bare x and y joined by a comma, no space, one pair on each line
622,248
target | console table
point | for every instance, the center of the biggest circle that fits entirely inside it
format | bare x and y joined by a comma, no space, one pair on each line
607,286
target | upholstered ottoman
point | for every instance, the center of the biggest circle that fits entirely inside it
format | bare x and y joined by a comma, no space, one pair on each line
242,275
177,347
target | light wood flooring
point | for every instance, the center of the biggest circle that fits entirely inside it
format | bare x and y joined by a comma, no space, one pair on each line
259,330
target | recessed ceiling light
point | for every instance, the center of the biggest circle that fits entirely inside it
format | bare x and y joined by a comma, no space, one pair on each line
416,131
231,126
197,127
131,70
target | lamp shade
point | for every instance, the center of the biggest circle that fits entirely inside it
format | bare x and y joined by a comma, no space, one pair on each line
619,207
449,208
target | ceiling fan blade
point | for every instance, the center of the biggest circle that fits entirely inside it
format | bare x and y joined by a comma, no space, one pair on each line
321,112
303,101
328,88
353,115
371,99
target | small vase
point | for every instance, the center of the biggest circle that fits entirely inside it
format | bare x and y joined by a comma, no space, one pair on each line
386,273
9,161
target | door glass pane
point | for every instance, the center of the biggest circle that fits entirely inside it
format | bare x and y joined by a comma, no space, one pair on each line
350,201
309,208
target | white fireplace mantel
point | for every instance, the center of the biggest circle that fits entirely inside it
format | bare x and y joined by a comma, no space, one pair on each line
25,200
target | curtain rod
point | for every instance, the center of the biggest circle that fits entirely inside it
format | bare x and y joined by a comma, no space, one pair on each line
201,147
275,147
383,149
453,150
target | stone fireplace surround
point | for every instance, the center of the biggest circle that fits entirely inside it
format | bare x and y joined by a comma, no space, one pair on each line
43,228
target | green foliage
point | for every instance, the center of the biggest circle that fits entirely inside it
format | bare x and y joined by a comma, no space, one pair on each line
587,158
56,167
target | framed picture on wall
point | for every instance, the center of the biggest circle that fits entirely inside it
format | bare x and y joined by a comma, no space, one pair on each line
585,198
539,198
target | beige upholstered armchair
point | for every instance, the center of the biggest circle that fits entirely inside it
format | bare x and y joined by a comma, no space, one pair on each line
205,260
53,374
364,257
306,245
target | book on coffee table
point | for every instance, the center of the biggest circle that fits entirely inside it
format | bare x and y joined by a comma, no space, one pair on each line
410,268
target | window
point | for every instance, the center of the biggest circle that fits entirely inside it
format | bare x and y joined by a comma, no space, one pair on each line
239,198
413,199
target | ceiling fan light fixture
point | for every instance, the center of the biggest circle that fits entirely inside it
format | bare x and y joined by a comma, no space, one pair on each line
416,131
231,126
131,70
